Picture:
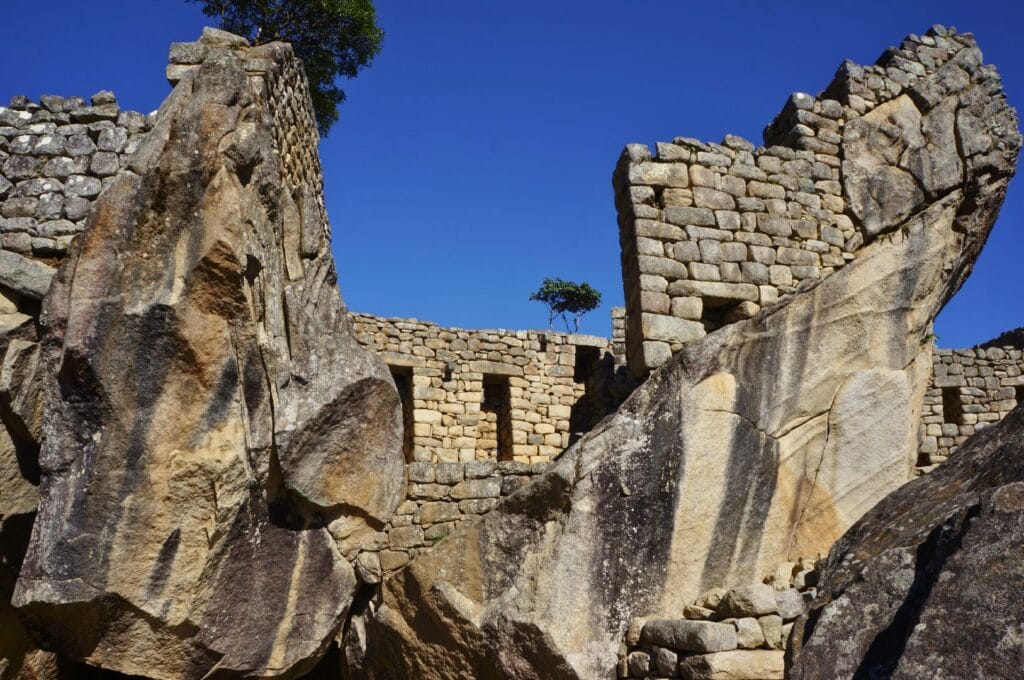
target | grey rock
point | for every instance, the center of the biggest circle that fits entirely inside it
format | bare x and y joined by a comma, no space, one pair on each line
59,167
367,567
103,97
82,185
104,164
753,600
690,636
113,139
50,207
24,276
76,208
638,664
92,114
79,145
928,589
749,633
39,186
665,662
19,206
790,603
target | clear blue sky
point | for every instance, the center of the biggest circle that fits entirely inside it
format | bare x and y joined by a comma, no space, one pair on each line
474,157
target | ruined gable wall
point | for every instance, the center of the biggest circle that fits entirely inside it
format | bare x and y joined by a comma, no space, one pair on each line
712,233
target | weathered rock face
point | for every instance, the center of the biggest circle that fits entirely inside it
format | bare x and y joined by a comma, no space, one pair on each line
929,589
215,439
762,442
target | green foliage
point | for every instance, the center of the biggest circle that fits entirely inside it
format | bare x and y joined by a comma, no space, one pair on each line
334,39
564,298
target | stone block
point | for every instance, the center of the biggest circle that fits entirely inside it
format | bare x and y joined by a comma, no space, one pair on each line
748,633
655,353
753,600
687,308
683,216
670,329
435,512
689,636
734,251
657,303
771,626
393,559
703,177
659,174
741,664
704,197
420,472
702,271
477,506
755,272
477,488
685,251
714,289
479,469
661,266
790,603
368,568
405,537
664,662
638,664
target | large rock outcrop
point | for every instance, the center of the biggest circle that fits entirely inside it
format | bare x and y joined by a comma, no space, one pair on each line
215,441
927,584
761,442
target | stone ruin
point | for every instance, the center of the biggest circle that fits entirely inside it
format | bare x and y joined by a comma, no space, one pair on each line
208,449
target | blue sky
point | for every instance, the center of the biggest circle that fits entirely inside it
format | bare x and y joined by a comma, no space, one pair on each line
474,157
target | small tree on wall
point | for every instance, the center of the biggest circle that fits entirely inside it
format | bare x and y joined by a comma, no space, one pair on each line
566,298
334,38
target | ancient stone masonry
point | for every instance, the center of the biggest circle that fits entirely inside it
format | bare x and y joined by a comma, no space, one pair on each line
711,233
484,411
732,634
440,497
55,158
469,395
759,442
971,389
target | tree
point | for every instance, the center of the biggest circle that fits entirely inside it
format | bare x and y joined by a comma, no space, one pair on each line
334,38
565,297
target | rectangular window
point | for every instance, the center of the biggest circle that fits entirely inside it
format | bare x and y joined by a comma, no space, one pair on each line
584,413
952,407
402,376
495,429
1018,393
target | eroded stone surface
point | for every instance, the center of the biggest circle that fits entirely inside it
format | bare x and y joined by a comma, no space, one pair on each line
215,438
928,589
758,444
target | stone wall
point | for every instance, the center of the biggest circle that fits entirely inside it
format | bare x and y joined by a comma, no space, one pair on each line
439,498
971,389
500,395
712,233
55,158
736,633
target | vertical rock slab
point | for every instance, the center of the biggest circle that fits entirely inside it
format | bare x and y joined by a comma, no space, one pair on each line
760,443
927,584
214,435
